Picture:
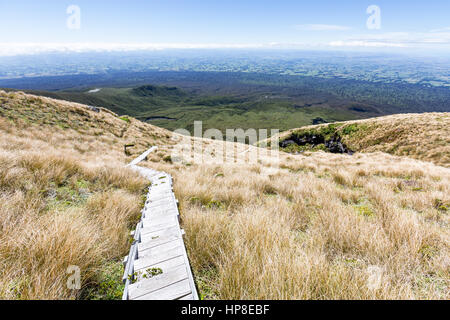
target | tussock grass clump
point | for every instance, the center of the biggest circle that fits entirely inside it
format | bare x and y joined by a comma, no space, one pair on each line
54,213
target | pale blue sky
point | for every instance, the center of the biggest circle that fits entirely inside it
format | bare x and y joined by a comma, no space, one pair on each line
303,24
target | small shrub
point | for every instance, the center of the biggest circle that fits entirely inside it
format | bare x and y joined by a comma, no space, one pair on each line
428,251
168,159
215,204
350,129
125,118
364,210
269,189
340,179
440,205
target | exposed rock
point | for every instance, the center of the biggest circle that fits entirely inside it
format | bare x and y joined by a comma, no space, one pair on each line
286,143
95,109
308,139
333,145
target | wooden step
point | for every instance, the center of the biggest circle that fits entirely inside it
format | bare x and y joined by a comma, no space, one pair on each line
154,284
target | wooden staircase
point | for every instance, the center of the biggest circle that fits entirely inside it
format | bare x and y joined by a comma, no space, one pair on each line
157,267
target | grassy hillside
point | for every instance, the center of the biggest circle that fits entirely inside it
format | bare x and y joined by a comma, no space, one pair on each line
318,226
419,136
65,196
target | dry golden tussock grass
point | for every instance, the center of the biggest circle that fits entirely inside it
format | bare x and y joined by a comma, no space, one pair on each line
321,226
318,228
55,212
66,198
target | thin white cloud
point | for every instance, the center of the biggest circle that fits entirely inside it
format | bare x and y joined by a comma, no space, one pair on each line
366,44
424,40
321,27
13,49
441,30
396,39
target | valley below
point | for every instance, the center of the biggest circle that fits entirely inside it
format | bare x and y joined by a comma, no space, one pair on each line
222,100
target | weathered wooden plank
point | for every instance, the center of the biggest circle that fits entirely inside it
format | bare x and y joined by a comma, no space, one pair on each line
158,221
154,212
156,241
160,249
158,182
161,197
153,235
160,193
158,211
142,156
165,265
147,261
161,214
157,203
169,208
161,184
161,188
155,215
153,197
146,286
170,205
161,205
161,179
159,227
188,297
173,292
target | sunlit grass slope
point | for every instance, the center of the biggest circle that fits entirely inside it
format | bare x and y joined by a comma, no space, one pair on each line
65,196
420,136
318,226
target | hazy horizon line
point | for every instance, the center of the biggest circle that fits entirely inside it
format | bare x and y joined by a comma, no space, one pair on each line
8,49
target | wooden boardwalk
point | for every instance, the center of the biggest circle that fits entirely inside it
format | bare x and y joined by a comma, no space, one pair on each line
157,267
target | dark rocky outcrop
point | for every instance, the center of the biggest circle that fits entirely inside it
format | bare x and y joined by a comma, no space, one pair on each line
95,109
333,145
286,143
311,139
